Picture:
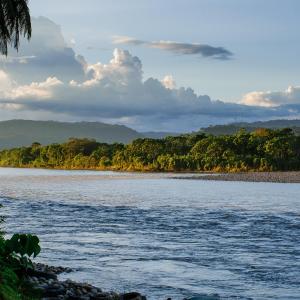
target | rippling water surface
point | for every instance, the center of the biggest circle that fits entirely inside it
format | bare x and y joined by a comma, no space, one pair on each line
159,235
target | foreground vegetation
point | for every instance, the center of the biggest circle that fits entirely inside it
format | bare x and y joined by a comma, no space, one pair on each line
261,150
15,262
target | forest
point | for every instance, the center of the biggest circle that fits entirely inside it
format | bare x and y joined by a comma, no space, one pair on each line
261,150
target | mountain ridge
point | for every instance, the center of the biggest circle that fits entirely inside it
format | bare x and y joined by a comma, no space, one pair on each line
17,132
232,128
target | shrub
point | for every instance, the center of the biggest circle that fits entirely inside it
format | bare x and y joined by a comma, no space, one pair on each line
15,260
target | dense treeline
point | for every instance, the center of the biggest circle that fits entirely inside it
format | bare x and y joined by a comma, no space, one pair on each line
263,150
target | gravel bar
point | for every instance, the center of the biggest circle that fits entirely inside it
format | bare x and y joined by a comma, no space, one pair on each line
278,177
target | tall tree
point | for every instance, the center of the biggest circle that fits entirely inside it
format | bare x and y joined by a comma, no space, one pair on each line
14,22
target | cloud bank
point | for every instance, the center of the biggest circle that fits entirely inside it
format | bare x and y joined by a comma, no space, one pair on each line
178,48
47,80
273,99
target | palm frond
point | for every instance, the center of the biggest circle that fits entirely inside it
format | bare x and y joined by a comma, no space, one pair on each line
14,22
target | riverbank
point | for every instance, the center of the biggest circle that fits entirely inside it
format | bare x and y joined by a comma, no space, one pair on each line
276,177
46,283
45,279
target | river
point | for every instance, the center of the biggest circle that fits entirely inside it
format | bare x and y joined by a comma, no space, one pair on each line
162,236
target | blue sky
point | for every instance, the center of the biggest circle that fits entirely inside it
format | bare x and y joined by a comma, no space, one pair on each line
263,35
156,65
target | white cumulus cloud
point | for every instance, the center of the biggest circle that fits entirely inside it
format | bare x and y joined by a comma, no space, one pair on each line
35,90
169,82
56,83
272,99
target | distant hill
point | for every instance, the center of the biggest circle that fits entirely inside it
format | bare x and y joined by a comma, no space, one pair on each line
16,133
234,127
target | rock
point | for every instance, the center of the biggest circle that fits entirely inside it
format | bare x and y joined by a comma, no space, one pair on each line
132,296
53,292
38,274
51,269
101,296
205,297
43,286
69,293
77,298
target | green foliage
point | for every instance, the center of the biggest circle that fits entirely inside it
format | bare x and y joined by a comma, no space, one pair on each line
15,260
18,250
262,150
9,284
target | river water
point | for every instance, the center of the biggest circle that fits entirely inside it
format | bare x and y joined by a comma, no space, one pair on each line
161,236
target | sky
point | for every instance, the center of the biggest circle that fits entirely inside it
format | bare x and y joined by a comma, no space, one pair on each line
174,65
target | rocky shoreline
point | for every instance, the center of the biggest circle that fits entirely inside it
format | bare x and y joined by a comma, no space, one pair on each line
277,177
45,281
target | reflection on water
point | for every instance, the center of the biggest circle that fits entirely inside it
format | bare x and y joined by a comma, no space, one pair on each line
161,236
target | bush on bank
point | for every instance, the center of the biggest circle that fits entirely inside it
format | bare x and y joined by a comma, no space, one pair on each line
15,261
